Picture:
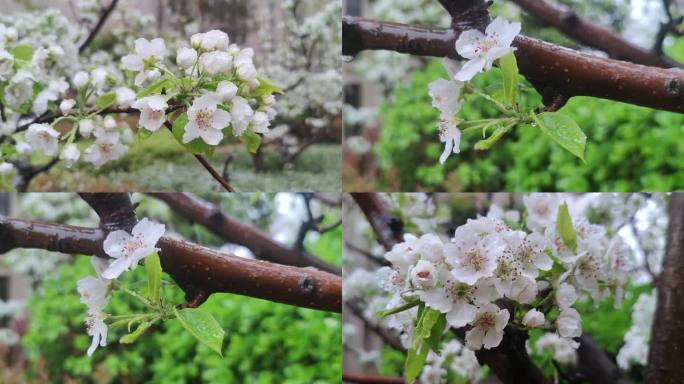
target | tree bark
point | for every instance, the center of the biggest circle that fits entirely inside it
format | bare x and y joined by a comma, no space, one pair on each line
389,230
666,353
552,69
234,231
593,35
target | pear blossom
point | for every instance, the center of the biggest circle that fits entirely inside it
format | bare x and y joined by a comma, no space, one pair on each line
42,137
565,295
226,91
211,40
70,154
563,350
206,120
245,69
186,57
125,97
242,115
473,259
152,112
216,62
147,54
19,90
260,122
433,374
66,106
446,94
542,209
482,49
99,77
106,148
569,323
424,275
56,88
450,135
488,327
533,319
129,249
458,300
98,330
86,127
80,79
93,291
6,63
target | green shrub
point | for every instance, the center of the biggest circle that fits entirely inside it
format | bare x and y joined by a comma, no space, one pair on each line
629,148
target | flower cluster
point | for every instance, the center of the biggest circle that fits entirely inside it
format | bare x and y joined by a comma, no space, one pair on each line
127,250
638,337
497,273
481,51
455,359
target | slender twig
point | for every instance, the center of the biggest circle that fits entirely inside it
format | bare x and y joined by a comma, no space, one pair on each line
104,15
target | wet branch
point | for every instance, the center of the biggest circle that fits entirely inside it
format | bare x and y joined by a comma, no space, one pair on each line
104,15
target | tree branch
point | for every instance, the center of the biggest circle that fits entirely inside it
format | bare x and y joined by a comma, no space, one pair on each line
197,269
667,334
386,336
213,218
593,35
104,15
543,64
389,230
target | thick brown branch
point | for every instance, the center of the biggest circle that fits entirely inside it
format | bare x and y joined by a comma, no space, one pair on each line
203,268
593,35
234,231
667,335
389,230
100,23
595,366
544,64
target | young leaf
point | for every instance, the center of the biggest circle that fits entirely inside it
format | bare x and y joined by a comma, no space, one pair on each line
563,130
154,271
493,139
415,361
105,101
425,323
565,228
436,333
251,140
156,87
23,52
203,326
509,68
266,87
135,335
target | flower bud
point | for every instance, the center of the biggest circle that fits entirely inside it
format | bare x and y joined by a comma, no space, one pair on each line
533,319
80,79
186,58
424,275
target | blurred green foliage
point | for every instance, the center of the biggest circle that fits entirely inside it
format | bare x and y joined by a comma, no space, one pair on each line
629,148
265,342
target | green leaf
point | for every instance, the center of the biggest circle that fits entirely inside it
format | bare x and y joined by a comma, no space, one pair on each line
509,68
425,323
565,227
156,87
493,139
395,310
415,361
563,130
135,335
266,87
251,140
105,101
433,341
203,326
154,271
197,146
23,52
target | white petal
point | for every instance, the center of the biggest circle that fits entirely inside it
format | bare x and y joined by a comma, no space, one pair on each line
132,63
211,136
221,119
116,268
492,339
191,132
468,43
448,147
114,243
474,338
470,69
503,30
149,231
461,314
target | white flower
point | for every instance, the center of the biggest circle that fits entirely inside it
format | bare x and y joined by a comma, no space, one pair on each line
431,248
93,291
563,350
40,103
66,106
523,290
488,327
482,50
390,280
242,115
124,97
109,122
98,330
106,148
70,154
450,135
226,90
80,79
99,76
458,300
260,122
405,254
542,209
569,323
147,54
211,40
86,127
42,137
424,275
6,63
473,259
129,249
6,168
152,112
533,319
216,62
19,90
446,94
433,374
186,58
206,120
565,295
245,69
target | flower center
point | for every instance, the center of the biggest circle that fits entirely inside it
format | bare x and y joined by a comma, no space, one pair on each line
203,118
458,290
474,259
486,321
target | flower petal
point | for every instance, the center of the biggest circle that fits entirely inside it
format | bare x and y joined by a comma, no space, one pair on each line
221,119
114,243
116,268
469,42
470,69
